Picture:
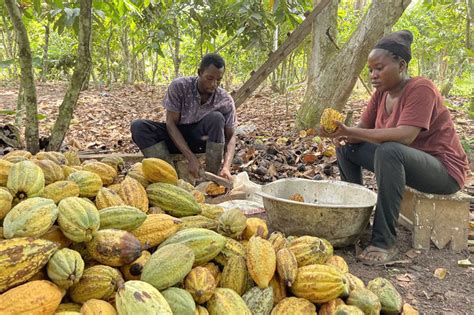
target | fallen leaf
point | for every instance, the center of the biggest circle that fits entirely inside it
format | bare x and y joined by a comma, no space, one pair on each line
403,278
409,310
464,263
308,158
272,171
302,133
310,132
412,253
440,273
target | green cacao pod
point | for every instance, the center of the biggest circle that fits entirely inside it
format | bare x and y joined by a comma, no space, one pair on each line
180,301
138,297
388,295
206,244
78,219
174,200
65,268
32,217
89,183
25,180
121,218
168,266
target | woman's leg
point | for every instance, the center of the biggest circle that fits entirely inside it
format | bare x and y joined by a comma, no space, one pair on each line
351,158
397,165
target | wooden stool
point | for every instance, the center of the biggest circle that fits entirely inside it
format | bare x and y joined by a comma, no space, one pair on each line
439,218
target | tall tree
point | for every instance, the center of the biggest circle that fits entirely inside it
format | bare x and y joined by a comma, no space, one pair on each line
332,83
81,72
27,97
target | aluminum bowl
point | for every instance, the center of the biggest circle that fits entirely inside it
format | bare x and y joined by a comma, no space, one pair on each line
334,210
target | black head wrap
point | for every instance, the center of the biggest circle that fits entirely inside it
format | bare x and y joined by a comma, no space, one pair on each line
398,43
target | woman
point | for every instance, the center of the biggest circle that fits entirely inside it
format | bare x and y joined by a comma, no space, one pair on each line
405,136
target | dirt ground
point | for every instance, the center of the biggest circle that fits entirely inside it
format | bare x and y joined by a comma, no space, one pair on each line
101,124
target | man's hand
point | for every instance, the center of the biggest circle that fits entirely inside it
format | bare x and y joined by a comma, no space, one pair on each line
194,166
225,172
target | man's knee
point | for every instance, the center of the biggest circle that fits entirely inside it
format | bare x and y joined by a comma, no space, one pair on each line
137,126
215,119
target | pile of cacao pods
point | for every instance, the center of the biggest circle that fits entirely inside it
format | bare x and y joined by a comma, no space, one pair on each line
81,238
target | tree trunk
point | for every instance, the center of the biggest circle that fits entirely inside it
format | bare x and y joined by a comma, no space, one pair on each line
9,44
293,41
81,72
44,70
126,56
107,56
27,80
154,68
333,83
469,42
274,76
175,51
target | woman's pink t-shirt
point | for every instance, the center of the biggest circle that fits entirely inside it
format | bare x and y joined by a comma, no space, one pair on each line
421,105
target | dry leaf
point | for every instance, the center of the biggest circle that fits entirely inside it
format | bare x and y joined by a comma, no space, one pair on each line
403,278
302,133
440,273
308,158
215,190
464,263
412,253
409,310
310,132
272,171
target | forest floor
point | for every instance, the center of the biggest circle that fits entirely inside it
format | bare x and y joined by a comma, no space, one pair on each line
269,148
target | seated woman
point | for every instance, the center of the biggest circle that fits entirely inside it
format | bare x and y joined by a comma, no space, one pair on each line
405,136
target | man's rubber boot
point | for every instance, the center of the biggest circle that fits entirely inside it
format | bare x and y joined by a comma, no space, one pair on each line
160,151
214,154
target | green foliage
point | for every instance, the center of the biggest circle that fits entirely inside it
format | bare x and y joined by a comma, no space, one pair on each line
241,30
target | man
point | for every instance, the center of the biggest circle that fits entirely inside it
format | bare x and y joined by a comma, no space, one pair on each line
200,117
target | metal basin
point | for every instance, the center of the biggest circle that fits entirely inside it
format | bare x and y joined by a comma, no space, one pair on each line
334,210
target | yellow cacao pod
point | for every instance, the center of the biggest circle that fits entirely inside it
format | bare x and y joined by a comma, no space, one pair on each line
56,157
255,226
89,183
235,273
107,198
106,172
338,262
4,170
116,162
5,202
33,298
97,282
155,229
320,283
200,283
157,170
227,301
52,171
328,117
59,190
133,194
136,172
310,250
294,305
287,266
134,270
97,307
72,158
261,261
30,256
278,240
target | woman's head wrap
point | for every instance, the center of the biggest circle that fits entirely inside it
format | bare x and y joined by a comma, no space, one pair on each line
398,43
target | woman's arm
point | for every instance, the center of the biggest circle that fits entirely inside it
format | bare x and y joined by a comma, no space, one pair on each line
403,134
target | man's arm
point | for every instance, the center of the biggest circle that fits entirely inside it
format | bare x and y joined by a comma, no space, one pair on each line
229,152
172,120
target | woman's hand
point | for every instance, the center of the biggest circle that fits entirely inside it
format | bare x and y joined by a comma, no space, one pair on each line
341,131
